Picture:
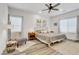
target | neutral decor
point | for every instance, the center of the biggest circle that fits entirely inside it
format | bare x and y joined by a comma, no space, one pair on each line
38,49
49,38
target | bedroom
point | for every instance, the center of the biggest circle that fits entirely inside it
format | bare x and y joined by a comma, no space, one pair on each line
60,25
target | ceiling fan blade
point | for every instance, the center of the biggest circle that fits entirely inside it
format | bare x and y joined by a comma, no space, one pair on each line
56,5
55,9
44,9
47,5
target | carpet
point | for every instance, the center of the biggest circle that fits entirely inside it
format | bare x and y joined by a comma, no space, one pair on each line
39,49
36,49
24,47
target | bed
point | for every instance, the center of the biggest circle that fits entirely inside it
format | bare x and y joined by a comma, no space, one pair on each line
49,38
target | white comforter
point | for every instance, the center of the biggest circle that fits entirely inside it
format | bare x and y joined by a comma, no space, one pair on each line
49,38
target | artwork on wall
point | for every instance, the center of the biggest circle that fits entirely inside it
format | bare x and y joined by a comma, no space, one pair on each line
38,21
41,24
55,24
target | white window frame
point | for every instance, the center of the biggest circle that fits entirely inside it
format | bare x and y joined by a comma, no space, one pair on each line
67,25
21,20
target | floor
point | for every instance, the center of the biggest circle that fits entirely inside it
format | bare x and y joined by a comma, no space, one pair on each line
27,45
66,47
23,47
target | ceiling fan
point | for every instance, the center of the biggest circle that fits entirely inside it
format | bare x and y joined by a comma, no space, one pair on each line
50,7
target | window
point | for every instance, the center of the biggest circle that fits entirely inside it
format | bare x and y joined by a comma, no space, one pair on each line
16,23
68,25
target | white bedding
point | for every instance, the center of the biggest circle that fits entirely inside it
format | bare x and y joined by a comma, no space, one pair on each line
50,34
49,38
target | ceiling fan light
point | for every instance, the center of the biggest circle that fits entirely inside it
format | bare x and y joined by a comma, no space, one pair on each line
60,9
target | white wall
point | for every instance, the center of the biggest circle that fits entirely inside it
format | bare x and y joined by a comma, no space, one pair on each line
3,22
62,16
28,20
52,27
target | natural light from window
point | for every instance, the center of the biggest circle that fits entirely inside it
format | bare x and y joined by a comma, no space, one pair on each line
16,22
68,25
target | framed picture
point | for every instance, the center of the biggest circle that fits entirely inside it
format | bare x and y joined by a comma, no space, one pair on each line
55,24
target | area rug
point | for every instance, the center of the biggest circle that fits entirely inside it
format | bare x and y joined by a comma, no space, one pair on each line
24,47
39,49
36,49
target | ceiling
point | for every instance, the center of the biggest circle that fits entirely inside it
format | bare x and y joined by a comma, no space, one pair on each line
37,7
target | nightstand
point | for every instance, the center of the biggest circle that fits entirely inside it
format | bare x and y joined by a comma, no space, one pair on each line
31,36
